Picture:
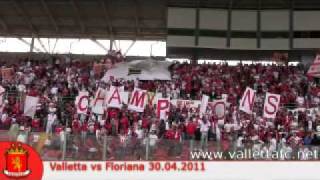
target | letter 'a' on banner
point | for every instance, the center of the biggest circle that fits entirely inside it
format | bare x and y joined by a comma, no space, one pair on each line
116,97
271,105
314,69
247,101
82,102
163,107
138,100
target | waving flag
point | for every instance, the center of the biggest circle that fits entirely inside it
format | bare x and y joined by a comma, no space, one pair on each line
314,69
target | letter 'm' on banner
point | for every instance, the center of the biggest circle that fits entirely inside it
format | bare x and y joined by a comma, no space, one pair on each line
138,100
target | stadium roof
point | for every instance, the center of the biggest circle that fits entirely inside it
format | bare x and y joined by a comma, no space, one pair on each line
120,19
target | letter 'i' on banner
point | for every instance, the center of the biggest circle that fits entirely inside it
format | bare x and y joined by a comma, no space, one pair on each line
2,91
204,104
247,101
271,105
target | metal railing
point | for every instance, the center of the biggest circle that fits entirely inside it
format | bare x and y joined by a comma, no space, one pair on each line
88,147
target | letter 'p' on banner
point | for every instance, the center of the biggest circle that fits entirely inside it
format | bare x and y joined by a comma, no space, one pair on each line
163,107
247,101
271,105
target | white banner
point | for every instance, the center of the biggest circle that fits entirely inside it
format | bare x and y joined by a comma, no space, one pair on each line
2,91
138,100
30,106
218,108
98,101
116,97
163,107
147,69
271,105
186,170
179,103
82,102
204,104
247,100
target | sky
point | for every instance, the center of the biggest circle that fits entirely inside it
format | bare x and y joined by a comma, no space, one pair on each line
87,46
83,46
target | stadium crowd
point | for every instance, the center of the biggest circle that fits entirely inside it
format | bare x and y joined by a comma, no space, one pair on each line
58,81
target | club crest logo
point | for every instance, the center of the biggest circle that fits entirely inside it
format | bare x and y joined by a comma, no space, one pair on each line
16,161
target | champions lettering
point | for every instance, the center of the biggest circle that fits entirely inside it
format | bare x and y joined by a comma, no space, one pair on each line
115,97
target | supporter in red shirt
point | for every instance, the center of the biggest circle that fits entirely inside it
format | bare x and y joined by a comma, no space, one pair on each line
191,129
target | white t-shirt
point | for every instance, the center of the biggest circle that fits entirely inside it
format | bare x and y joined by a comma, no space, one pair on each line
204,127
153,139
139,133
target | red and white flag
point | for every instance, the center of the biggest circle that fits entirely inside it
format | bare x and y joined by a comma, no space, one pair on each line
314,69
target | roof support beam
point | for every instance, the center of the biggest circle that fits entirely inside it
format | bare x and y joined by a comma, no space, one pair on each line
4,24
42,45
137,17
229,23
22,12
49,14
76,8
30,44
105,9
99,44
131,45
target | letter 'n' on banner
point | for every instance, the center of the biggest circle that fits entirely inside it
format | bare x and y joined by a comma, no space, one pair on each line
247,101
271,105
